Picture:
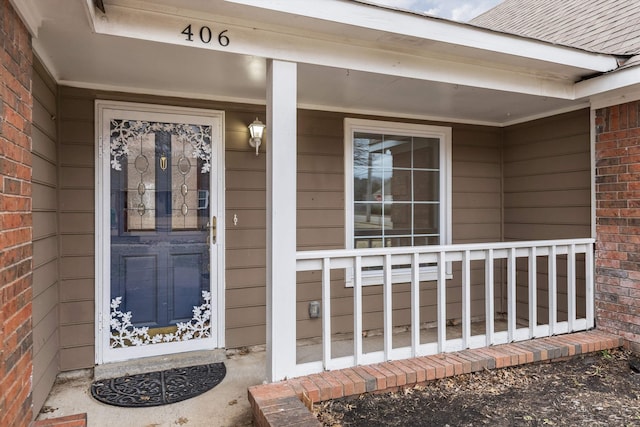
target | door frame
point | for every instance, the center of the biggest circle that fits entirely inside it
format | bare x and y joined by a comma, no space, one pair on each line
103,352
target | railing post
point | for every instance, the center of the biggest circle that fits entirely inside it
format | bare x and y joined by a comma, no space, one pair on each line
326,311
553,289
466,299
357,309
533,292
387,307
281,218
488,296
511,294
589,284
571,286
442,301
415,304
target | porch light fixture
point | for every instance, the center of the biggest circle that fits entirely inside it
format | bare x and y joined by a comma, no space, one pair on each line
256,129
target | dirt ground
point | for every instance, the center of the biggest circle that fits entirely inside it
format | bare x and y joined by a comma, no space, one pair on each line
591,390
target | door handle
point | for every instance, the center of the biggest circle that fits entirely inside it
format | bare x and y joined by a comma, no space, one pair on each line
213,227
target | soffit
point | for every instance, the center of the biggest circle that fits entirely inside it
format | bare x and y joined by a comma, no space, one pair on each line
78,56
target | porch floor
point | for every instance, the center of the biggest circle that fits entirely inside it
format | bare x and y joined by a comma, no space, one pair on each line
310,350
280,404
283,403
225,405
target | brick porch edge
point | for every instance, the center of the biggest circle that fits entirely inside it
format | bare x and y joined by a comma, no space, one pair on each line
285,403
79,420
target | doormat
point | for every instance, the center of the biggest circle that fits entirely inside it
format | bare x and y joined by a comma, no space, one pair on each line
160,387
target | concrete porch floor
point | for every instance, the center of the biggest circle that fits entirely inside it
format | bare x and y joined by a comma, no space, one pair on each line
226,405
310,350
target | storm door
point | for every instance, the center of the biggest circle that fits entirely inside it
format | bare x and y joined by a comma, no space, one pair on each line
161,283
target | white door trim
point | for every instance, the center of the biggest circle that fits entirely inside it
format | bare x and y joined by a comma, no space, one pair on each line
103,352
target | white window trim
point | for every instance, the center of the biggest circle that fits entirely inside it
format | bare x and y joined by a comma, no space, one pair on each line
408,129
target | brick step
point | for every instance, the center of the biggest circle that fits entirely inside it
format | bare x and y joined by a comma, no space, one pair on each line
78,420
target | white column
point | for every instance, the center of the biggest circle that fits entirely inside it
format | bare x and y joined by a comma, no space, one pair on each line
281,218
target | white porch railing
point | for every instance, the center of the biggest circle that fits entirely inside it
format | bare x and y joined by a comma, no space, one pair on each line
440,259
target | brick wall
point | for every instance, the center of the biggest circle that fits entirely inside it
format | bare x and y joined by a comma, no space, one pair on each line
15,220
618,221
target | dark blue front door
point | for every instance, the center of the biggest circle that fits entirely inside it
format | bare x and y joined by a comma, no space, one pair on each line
160,231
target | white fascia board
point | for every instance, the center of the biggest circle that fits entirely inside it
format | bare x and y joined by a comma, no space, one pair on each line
617,97
407,24
252,41
28,12
604,89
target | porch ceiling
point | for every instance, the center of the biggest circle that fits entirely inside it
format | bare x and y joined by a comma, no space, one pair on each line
77,56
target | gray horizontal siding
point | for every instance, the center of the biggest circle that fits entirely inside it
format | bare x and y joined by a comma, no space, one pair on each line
45,235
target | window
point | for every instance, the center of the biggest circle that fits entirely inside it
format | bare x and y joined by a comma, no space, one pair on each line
398,188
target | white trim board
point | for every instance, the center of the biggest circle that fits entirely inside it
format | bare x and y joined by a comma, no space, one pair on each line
163,93
268,43
608,85
616,97
424,27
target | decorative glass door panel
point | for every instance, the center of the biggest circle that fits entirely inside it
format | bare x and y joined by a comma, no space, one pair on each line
161,213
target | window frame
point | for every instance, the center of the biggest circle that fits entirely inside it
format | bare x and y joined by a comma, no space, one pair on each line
443,133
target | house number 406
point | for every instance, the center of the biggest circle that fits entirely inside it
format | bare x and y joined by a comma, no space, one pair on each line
206,35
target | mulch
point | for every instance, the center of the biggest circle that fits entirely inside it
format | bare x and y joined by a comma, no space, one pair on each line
597,389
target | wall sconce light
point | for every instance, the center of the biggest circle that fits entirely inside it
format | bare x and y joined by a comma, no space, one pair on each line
256,129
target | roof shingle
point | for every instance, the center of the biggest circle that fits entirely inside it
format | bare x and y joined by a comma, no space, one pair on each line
602,26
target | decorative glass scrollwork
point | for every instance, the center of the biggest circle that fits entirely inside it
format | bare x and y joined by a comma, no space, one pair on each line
124,132
138,184
184,186
133,149
184,165
141,163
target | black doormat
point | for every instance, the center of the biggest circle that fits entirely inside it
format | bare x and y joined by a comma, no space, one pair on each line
159,388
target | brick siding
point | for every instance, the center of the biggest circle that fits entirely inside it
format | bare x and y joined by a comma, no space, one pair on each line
15,220
618,221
